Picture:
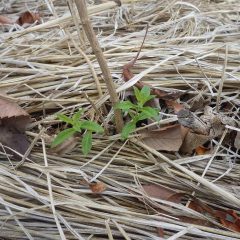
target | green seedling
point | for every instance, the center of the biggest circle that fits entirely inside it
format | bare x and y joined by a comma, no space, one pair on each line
78,126
137,111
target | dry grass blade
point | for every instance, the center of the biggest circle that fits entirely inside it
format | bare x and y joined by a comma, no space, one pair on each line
191,47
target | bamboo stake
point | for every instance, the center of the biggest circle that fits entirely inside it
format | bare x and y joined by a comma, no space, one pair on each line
87,26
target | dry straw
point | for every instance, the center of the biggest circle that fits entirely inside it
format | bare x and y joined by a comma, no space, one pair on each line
191,46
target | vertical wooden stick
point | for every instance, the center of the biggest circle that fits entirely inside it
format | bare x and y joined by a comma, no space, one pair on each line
87,26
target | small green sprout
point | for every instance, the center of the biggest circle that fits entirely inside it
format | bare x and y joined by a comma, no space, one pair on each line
78,125
137,112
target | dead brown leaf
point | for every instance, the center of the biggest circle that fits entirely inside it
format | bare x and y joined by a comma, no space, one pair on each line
19,123
158,191
97,187
13,122
5,20
174,105
28,18
201,150
10,109
25,18
163,193
229,219
200,207
198,103
192,141
169,138
203,128
13,139
167,194
188,119
13,116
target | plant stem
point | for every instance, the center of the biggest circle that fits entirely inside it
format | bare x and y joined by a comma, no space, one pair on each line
98,113
87,26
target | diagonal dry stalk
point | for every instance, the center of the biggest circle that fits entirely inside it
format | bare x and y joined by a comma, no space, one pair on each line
87,26
185,50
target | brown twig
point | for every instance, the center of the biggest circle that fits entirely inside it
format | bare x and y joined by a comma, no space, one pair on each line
127,74
87,26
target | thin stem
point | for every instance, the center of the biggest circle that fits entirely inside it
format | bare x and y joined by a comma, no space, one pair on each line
98,113
87,26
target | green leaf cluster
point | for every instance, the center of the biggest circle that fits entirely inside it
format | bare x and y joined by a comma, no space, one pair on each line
137,111
78,125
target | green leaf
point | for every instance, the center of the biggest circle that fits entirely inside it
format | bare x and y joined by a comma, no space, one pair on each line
146,112
77,125
65,119
77,115
143,96
150,112
149,98
125,105
140,116
87,142
62,136
91,126
146,95
127,129
137,94
145,91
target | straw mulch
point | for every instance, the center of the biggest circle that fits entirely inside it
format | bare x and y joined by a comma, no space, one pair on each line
47,68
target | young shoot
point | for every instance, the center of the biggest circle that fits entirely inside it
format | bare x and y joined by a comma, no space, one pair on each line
137,111
78,125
